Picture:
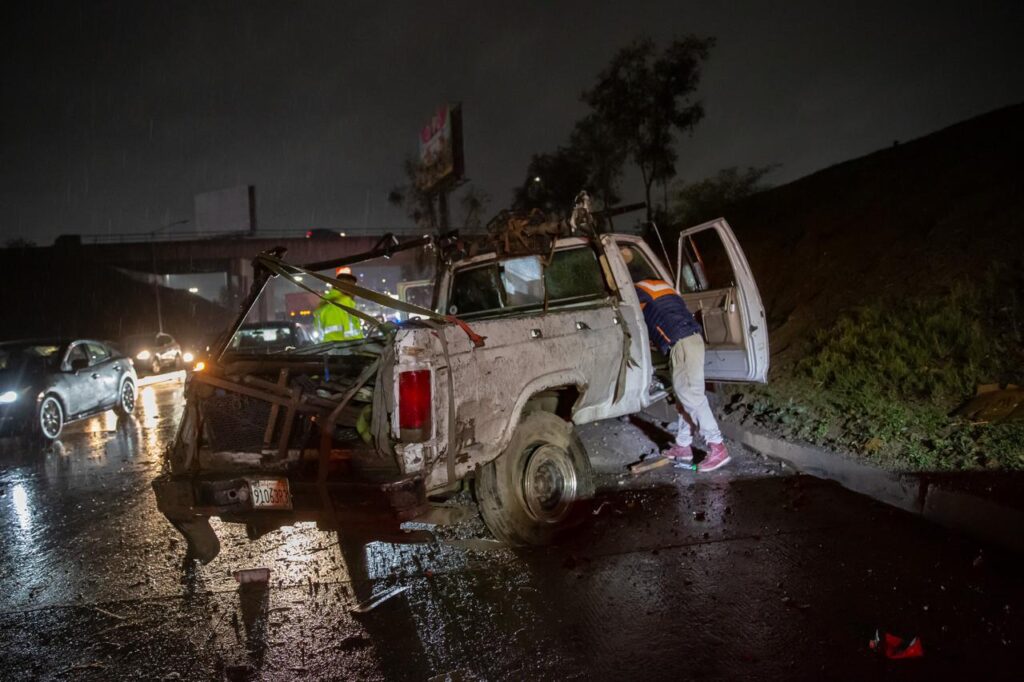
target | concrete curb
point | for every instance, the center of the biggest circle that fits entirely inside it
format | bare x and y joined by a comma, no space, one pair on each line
961,511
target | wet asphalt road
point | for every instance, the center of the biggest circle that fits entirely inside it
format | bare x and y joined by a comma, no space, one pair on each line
749,572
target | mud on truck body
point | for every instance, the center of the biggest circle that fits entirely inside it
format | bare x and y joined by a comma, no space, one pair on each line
528,337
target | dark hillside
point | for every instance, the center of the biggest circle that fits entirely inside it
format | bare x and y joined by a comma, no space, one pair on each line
905,221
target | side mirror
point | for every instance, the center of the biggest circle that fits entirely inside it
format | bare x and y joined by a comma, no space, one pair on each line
79,363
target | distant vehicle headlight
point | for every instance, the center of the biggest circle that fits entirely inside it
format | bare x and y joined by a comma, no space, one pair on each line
8,397
188,357
143,355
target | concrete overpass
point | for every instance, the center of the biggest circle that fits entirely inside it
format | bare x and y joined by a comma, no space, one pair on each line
231,254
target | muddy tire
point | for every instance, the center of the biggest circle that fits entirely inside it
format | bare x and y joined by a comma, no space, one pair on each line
540,487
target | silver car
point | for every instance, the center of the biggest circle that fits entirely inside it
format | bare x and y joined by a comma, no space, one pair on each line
44,384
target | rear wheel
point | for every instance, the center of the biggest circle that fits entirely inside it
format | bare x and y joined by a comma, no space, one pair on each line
126,399
50,419
540,487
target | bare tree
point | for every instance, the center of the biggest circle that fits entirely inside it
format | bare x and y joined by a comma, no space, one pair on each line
474,202
420,206
643,97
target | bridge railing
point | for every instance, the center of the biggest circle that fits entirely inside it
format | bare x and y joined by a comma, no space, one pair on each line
141,237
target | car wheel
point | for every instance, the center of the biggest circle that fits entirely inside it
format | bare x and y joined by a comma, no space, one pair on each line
178,362
540,487
126,399
154,367
50,419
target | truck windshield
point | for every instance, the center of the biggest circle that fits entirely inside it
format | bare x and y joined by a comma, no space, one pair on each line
573,276
288,317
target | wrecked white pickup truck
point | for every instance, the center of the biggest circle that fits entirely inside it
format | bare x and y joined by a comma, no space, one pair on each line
362,435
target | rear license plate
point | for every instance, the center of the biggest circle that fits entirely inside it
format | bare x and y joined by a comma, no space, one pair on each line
270,493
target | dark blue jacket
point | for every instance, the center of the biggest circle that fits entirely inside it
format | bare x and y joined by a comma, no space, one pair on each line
668,319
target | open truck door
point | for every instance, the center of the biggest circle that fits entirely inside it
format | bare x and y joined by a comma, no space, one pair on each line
714,279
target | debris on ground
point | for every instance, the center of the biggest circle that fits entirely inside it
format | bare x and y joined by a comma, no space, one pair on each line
993,404
896,647
483,544
376,600
252,576
241,672
648,464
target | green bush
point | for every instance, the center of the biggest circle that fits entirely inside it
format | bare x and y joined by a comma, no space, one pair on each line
884,379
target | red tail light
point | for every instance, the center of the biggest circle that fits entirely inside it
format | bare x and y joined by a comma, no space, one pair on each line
414,403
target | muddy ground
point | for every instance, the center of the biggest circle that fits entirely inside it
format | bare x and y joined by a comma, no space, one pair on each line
749,572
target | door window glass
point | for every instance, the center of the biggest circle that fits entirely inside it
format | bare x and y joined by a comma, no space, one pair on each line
574,274
475,290
163,340
77,353
97,353
705,263
523,281
639,267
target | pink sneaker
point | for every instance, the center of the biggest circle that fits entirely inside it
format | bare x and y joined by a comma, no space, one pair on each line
680,453
717,457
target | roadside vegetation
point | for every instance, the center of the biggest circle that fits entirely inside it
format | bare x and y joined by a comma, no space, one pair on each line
885,380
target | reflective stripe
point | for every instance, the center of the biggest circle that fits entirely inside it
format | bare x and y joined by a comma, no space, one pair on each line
335,328
655,288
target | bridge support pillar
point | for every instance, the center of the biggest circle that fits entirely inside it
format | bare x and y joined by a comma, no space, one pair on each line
239,280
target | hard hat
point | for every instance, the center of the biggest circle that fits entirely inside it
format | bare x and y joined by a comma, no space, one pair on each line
345,273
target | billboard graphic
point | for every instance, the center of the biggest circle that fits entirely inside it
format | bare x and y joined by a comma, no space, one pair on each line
441,160
226,210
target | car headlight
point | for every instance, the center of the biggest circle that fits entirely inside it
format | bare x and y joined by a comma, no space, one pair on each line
188,357
8,397
143,355
200,366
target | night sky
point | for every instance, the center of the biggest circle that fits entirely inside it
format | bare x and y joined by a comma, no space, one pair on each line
115,114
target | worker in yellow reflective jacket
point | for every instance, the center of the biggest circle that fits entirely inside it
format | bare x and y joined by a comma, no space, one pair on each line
334,323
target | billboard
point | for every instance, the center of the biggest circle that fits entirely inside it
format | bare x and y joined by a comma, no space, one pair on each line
226,210
441,161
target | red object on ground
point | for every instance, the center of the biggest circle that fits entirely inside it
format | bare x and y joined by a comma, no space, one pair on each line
896,647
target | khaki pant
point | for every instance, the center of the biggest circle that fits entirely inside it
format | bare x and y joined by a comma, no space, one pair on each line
688,383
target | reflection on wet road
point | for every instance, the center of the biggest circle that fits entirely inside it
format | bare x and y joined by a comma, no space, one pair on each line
747,572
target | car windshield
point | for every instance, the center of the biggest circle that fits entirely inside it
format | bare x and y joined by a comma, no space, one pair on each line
13,356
